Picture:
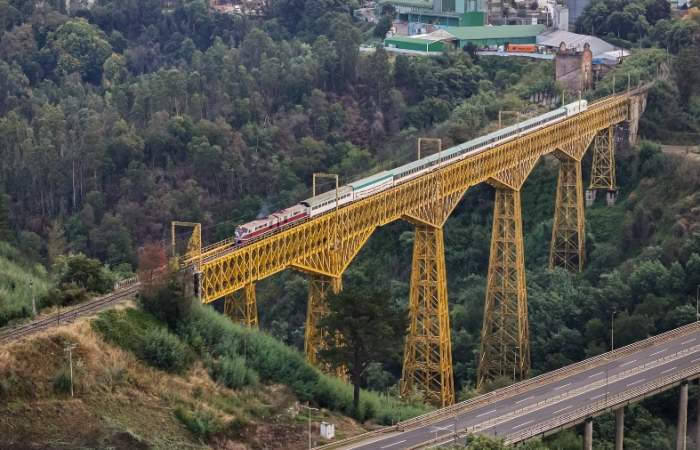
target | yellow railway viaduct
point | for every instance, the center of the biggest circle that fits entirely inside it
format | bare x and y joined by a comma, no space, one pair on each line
324,246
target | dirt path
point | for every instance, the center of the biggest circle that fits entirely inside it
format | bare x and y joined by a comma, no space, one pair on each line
689,151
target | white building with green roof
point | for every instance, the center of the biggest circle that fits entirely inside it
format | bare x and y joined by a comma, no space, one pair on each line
481,36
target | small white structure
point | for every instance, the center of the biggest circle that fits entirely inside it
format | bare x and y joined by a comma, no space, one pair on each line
327,430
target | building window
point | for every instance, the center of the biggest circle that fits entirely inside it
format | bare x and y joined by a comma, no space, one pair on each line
448,5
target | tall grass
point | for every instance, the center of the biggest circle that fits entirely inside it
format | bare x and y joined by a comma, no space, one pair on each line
237,357
16,276
213,335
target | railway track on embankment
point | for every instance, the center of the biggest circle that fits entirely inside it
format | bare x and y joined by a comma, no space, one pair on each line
123,292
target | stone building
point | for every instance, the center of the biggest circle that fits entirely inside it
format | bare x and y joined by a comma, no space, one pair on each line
574,68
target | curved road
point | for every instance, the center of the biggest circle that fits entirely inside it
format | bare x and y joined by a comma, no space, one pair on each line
625,375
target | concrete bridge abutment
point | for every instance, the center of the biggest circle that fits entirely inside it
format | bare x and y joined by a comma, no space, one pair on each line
682,428
619,428
588,434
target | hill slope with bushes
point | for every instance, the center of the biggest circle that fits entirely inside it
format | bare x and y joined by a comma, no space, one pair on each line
137,384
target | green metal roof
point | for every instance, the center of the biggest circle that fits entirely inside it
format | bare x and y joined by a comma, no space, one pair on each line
494,32
410,40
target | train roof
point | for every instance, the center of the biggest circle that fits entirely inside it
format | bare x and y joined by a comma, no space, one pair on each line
330,195
377,177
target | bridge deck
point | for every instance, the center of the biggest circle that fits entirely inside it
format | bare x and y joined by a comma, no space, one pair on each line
326,244
556,400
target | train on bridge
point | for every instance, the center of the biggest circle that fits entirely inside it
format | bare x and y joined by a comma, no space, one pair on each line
319,204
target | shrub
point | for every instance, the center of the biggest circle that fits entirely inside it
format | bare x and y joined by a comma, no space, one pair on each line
65,295
164,350
232,372
84,272
62,382
169,303
125,328
201,423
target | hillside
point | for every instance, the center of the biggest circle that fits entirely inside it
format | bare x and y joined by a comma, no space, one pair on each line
20,279
121,402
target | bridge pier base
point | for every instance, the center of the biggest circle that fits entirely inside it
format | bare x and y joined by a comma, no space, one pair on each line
619,428
590,197
588,435
682,417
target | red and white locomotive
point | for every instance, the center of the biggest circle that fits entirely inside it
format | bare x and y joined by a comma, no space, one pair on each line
278,219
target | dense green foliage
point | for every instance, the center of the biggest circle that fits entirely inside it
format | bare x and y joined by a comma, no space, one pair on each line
141,334
163,350
117,119
370,325
215,336
237,357
20,280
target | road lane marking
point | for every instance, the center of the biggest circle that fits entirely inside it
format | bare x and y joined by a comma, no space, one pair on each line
487,412
532,396
635,382
628,363
562,386
395,443
563,409
598,396
436,429
668,370
695,360
522,425
688,341
660,351
596,374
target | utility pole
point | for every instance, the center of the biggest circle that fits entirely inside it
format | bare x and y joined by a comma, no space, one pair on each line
697,306
612,330
31,288
69,349
309,409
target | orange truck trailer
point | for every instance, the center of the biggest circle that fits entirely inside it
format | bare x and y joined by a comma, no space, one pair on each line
521,48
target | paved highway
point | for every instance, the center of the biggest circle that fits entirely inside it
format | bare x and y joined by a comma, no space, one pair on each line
642,370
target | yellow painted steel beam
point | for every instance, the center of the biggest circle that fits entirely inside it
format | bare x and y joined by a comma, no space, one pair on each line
326,244
505,348
603,165
194,243
567,248
317,308
427,366
241,306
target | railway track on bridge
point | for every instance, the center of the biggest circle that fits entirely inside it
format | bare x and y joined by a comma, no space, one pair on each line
124,291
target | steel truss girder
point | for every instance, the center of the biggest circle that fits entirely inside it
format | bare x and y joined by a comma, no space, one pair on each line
340,234
505,347
194,243
603,165
241,306
317,308
567,248
505,350
427,366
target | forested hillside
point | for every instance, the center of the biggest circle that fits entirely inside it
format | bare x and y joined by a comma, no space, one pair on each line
117,119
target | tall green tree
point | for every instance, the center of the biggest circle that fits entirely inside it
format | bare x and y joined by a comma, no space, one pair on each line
81,47
363,326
